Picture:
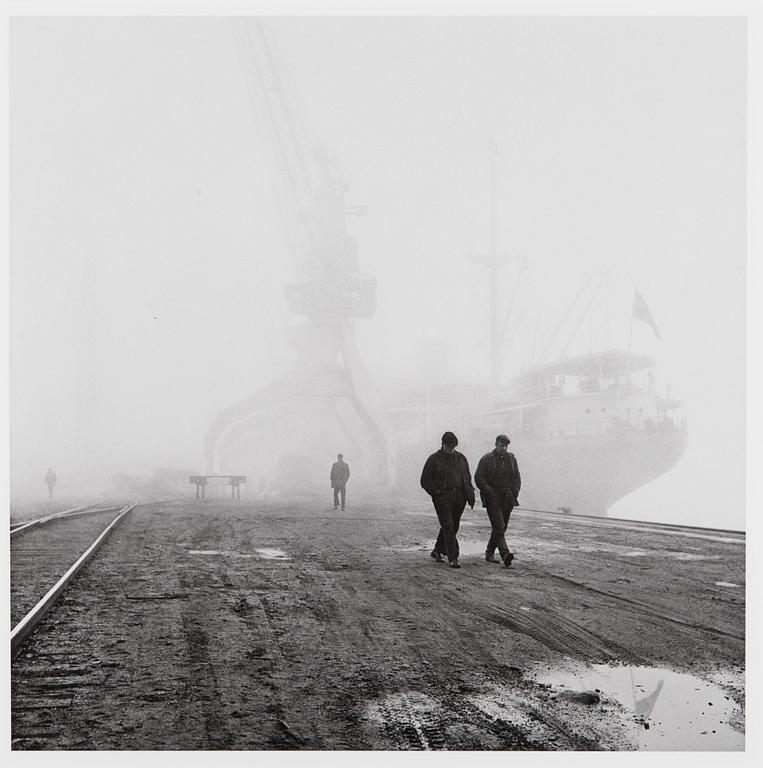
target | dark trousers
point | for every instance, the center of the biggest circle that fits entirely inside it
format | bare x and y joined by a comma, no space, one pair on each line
337,490
499,506
449,507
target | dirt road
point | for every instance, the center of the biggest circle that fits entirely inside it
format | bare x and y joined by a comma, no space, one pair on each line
224,625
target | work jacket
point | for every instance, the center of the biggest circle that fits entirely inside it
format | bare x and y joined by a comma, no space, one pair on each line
498,473
445,472
340,474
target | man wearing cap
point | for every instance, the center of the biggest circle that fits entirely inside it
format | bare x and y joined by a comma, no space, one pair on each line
447,479
499,481
340,474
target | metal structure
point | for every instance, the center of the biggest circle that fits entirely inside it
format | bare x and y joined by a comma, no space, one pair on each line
326,404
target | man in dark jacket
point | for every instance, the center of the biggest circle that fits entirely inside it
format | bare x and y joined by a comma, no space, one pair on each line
340,474
447,479
499,481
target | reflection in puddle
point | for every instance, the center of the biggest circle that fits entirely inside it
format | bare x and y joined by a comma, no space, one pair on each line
678,711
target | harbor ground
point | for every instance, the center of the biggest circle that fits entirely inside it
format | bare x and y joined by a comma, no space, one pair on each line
275,625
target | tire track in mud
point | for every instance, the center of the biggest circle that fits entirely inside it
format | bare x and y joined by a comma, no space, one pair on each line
202,687
424,713
263,656
364,619
558,633
442,721
645,608
431,716
410,725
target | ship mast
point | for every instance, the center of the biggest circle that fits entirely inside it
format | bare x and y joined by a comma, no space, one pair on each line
493,260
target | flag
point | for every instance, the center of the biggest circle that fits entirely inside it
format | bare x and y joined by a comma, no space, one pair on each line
641,312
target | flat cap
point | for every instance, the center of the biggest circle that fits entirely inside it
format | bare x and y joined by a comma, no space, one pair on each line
502,439
449,439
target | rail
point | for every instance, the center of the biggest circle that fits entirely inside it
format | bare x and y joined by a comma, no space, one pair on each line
84,509
28,624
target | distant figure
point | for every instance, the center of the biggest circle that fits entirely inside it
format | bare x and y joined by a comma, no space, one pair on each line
340,474
447,479
499,481
50,481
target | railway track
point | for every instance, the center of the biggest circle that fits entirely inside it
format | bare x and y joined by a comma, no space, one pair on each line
47,554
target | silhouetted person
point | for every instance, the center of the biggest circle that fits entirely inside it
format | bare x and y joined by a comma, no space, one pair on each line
340,474
50,481
447,479
499,481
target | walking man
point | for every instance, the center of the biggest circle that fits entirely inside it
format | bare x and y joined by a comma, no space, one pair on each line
50,481
340,474
499,481
447,479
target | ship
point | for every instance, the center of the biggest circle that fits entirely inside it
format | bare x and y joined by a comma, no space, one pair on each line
586,430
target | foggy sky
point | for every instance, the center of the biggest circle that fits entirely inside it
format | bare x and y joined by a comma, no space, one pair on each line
148,257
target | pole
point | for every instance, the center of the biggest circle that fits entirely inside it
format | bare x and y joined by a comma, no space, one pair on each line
494,353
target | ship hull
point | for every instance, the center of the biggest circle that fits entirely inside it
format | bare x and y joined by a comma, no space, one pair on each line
588,477
582,475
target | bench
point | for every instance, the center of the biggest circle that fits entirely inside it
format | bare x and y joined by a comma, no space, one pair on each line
200,481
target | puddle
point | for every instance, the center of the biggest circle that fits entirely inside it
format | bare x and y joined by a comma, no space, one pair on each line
224,552
408,548
265,553
683,712
725,584
468,548
272,554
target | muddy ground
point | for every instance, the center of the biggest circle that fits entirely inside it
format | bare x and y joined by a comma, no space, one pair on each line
223,625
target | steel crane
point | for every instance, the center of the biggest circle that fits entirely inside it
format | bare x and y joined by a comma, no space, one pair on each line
327,400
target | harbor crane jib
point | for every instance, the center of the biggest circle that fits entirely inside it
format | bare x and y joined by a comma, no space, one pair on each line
283,434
